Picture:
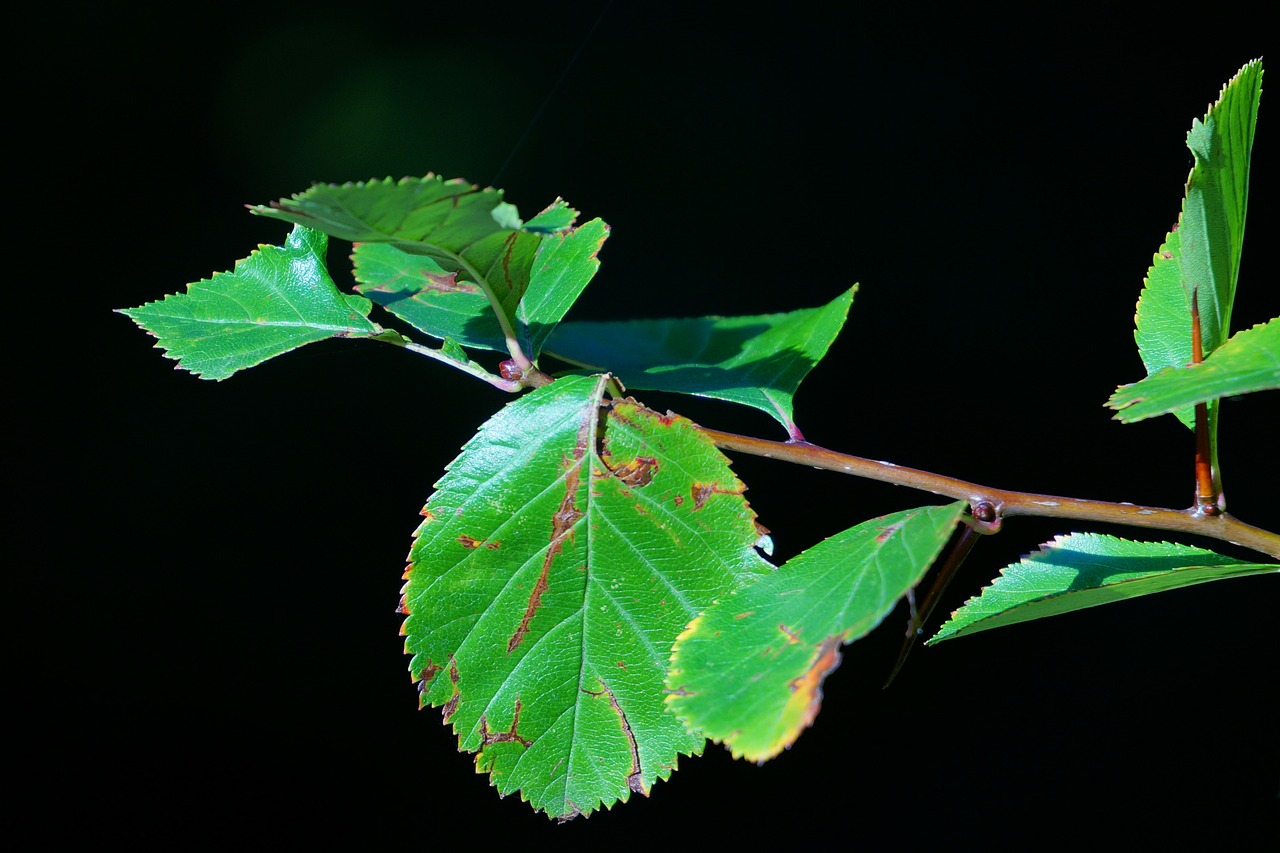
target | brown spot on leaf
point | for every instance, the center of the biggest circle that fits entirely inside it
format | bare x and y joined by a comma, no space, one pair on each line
427,514
638,472
509,736
792,636
452,705
886,532
635,780
701,492
745,615
562,523
468,541
427,673
445,283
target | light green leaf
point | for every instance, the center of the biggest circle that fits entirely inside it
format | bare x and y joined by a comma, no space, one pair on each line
748,672
1248,362
756,361
560,556
1202,254
1084,570
557,217
275,300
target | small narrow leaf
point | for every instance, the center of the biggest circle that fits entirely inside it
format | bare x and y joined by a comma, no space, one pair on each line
560,556
565,264
275,300
1248,362
757,361
557,217
748,671
1084,570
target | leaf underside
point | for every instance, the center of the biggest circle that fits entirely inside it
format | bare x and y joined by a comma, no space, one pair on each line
560,556
275,300
1085,570
748,672
756,361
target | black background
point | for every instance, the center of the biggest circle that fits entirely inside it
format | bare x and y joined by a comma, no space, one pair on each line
207,573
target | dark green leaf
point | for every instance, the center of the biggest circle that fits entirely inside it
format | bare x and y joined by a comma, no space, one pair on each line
450,214
757,361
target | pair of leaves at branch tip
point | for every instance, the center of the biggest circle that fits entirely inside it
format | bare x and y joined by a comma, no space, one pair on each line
561,554
748,672
756,361
1200,258
1085,570
444,256
275,300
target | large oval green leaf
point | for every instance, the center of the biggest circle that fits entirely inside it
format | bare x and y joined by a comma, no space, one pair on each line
748,672
561,555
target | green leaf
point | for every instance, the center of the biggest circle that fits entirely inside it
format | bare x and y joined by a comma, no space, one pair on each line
557,217
566,262
1248,362
1202,254
560,556
748,672
757,361
425,294
275,300
440,255
1084,570
451,214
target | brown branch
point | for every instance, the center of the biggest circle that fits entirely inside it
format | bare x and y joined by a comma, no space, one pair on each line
1223,527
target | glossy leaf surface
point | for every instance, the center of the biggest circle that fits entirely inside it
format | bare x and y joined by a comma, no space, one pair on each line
1084,570
1248,362
275,300
560,556
756,361
748,672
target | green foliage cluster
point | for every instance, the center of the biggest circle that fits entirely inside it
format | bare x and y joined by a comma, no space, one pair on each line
589,595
